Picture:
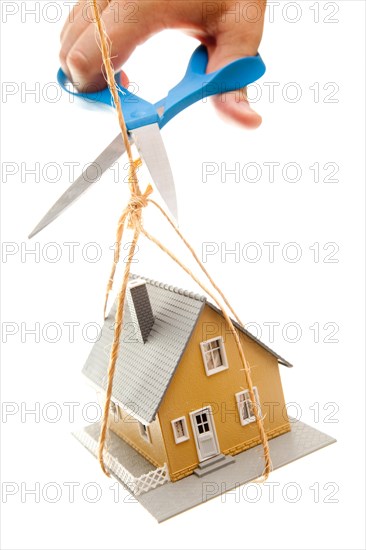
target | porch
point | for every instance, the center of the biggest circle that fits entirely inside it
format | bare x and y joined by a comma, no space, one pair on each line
126,464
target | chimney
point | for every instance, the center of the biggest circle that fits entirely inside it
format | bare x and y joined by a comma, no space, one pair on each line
140,308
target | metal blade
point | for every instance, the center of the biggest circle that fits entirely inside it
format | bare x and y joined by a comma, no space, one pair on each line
105,160
151,147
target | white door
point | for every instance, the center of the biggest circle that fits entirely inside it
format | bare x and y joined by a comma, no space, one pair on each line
204,433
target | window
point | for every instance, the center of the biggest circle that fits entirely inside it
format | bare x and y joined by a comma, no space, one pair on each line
180,429
202,423
214,356
115,412
144,432
245,408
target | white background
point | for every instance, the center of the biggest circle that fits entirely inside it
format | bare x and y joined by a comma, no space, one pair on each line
37,290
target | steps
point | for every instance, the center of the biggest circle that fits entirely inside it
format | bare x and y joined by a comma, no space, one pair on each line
213,464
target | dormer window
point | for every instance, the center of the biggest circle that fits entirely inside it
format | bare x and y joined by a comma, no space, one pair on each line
214,356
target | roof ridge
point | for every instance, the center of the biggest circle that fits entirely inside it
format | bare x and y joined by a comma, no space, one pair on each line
171,288
251,336
202,298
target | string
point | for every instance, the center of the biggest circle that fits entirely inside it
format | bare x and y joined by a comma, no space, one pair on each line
246,367
131,217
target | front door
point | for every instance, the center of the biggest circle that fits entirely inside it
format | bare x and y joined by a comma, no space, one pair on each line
204,433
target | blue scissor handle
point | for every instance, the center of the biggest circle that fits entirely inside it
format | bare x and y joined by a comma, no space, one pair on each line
137,111
195,85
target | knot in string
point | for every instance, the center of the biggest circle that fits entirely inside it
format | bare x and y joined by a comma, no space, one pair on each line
132,214
137,202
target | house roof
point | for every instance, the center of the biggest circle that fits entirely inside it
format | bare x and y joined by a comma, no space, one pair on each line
144,371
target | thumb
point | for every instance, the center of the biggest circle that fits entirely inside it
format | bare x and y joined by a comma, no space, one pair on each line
234,105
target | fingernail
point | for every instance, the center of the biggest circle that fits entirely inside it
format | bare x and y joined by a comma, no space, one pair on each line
78,65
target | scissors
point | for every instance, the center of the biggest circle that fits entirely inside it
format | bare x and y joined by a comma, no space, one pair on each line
144,121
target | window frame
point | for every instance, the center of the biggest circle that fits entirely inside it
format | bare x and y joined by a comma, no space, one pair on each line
250,419
115,411
180,439
225,365
144,432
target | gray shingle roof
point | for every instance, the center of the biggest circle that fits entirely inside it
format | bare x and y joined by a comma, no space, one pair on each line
280,359
144,371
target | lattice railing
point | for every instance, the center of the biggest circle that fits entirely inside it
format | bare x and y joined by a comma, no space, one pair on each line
152,479
136,485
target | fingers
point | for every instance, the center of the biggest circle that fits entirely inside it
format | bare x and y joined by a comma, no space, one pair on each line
235,106
228,36
71,17
234,41
123,79
79,19
80,51
83,7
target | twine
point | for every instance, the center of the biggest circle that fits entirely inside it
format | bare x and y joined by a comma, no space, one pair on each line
132,218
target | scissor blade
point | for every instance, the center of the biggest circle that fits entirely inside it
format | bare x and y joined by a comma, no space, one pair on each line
150,145
105,160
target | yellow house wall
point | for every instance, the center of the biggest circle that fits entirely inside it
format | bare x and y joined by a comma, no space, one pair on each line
128,429
192,389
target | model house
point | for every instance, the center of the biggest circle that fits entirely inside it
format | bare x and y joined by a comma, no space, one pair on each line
179,395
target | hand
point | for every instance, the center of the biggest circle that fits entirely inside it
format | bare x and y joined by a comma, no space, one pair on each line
230,30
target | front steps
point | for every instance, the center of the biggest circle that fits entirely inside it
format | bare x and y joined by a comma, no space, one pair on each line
213,464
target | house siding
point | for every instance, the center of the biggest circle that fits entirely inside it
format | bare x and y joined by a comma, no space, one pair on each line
191,389
128,429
